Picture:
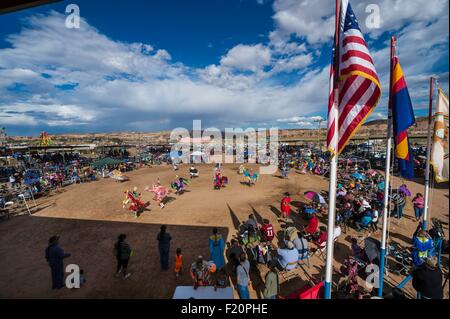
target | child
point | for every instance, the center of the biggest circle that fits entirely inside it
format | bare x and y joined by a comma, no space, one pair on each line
178,263
286,206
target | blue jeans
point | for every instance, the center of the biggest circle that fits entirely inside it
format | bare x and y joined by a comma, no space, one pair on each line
243,292
418,212
164,258
398,212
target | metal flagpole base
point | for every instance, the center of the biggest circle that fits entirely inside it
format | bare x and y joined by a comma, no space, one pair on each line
327,292
381,273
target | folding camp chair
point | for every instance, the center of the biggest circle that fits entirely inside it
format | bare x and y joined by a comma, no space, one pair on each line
290,274
303,257
22,197
304,260
321,251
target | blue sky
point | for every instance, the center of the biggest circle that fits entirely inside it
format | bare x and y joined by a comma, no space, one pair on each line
156,65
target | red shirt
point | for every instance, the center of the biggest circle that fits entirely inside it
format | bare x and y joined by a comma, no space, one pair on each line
312,225
268,232
286,205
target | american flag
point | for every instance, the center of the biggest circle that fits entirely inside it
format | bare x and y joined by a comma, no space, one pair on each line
359,87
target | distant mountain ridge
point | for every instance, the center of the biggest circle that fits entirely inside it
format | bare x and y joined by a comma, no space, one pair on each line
374,128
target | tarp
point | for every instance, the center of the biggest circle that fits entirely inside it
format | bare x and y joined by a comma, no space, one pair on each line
197,153
175,154
105,161
372,248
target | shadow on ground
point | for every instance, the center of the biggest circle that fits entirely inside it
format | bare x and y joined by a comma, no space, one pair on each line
23,241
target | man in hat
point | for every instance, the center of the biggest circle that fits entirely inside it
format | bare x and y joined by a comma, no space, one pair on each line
271,285
55,257
287,257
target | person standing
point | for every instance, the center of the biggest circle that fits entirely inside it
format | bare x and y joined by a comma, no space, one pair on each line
272,285
122,250
419,205
422,247
243,277
178,263
216,249
399,204
427,280
286,206
55,256
234,252
164,239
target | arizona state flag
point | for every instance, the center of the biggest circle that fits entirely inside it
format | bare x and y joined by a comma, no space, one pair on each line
403,118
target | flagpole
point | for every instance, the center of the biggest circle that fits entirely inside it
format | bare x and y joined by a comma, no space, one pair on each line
427,169
386,177
333,165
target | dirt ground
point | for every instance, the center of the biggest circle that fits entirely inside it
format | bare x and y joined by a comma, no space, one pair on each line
89,217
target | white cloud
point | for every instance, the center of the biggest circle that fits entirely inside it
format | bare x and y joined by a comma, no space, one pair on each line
314,20
311,19
302,121
122,85
247,57
297,62
135,85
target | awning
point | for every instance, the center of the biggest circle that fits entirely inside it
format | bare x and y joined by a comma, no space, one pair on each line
104,162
